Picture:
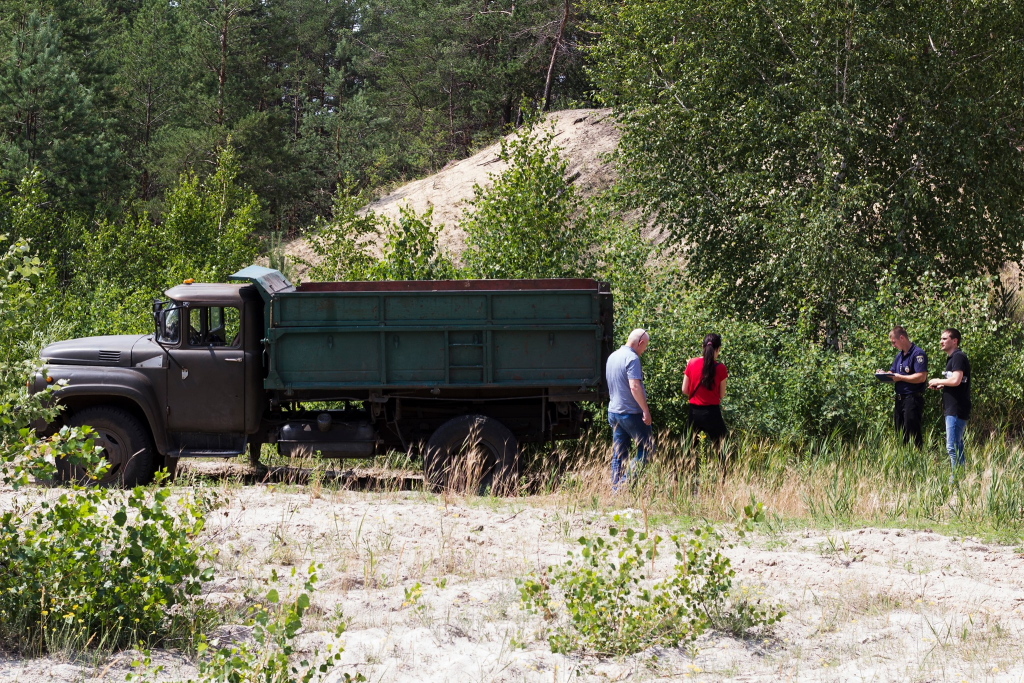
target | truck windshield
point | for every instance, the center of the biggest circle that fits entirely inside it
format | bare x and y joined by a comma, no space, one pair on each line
168,326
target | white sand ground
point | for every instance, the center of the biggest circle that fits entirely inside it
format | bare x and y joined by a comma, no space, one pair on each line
864,605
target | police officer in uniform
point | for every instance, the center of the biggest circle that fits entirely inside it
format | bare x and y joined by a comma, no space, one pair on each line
909,373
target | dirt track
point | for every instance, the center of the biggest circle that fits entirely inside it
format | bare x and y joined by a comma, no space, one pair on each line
864,605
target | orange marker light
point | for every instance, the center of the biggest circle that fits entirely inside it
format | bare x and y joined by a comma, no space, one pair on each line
49,379
188,281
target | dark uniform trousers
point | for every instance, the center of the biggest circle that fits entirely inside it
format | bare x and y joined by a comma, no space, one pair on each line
907,415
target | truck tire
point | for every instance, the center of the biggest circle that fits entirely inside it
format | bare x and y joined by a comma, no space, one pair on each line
472,453
126,444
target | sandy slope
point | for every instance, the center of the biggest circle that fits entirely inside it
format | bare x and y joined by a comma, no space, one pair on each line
864,605
584,137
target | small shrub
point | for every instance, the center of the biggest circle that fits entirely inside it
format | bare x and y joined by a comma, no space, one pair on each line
93,568
528,223
96,568
747,610
605,602
268,658
345,248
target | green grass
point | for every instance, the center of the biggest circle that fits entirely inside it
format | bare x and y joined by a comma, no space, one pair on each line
829,483
821,484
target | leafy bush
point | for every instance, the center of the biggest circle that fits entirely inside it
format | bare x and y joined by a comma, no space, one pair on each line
20,275
528,223
611,607
205,233
801,190
269,658
102,569
345,247
786,382
93,568
21,307
100,275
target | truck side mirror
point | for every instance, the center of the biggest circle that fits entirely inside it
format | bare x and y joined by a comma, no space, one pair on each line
158,317
167,322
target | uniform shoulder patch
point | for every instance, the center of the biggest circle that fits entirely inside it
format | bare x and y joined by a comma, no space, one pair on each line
920,359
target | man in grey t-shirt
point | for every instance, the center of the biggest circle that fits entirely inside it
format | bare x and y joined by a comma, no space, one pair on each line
628,413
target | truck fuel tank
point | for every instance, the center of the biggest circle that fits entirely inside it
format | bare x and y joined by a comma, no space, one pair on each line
333,438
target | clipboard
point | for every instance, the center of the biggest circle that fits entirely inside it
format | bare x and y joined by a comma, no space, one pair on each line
884,377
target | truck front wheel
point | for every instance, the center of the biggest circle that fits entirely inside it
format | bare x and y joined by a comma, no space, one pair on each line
472,453
126,446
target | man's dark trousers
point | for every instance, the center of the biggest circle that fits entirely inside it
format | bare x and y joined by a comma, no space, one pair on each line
907,415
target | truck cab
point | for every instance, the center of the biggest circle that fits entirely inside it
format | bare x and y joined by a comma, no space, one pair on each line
193,387
211,339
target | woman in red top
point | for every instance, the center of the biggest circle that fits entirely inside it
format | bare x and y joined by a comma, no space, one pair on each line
704,385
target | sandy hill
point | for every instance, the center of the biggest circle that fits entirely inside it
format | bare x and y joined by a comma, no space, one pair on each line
583,136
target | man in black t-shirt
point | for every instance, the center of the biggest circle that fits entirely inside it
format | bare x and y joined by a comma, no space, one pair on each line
956,396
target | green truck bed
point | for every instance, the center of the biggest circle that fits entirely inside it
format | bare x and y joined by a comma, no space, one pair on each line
413,335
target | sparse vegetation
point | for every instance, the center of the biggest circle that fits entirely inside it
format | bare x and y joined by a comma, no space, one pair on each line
95,568
605,599
828,482
271,656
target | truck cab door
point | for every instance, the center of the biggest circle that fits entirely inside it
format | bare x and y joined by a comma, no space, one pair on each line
206,381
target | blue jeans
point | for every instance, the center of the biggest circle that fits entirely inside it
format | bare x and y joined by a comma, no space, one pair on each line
626,428
955,440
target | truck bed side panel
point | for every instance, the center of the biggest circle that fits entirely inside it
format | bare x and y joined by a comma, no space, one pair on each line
363,339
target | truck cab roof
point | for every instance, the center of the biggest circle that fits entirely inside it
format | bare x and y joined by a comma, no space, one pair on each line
213,294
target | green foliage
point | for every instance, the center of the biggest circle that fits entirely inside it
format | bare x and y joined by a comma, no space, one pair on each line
22,453
412,597
751,516
785,384
20,306
113,101
147,52
867,478
411,250
50,119
206,234
612,607
270,657
21,309
345,248
526,224
277,258
39,458
93,568
98,568
454,73
799,150
208,224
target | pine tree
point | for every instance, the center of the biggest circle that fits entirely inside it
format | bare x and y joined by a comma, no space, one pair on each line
148,84
48,119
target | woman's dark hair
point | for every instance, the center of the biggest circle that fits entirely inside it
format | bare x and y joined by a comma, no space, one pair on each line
707,373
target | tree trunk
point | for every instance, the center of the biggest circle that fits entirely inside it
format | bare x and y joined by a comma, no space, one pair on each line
147,134
222,72
554,53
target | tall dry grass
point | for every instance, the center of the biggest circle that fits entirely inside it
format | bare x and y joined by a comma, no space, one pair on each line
831,481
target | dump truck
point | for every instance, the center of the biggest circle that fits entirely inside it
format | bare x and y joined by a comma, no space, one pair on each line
459,372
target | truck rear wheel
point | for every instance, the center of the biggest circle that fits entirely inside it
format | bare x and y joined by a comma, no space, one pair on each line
126,446
472,453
